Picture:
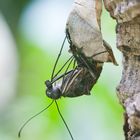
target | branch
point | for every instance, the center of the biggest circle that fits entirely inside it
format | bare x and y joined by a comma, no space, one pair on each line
127,15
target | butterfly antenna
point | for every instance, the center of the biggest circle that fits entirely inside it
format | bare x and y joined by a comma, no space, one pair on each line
61,76
58,57
64,120
67,70
63,66
19,133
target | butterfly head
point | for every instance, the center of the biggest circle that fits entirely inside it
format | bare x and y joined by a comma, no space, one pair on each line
52,92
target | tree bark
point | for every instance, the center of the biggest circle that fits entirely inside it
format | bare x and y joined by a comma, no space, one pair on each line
127,15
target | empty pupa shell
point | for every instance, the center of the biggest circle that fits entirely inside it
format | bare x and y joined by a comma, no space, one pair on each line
83,25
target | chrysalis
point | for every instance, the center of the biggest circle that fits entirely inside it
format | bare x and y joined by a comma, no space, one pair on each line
83,26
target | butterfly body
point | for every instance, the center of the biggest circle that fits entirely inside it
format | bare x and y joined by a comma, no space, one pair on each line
79,83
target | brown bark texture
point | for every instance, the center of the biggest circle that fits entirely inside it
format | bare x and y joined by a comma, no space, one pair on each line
127,15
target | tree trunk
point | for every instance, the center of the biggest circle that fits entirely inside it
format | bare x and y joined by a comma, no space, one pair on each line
127,15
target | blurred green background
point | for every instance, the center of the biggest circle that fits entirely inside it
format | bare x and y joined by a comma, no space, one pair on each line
31,33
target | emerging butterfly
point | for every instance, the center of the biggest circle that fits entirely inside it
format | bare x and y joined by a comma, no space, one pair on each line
81,79
89,52
75,82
